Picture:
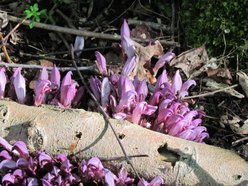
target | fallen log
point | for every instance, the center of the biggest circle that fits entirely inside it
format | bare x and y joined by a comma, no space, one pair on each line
178,161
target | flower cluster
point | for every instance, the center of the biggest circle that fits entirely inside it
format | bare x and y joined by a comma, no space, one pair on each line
19,167
158,107
47,90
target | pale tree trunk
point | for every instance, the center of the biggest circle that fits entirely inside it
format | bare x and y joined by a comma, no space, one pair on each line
178,161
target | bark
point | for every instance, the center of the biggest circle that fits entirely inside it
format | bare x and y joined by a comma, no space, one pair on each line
178,161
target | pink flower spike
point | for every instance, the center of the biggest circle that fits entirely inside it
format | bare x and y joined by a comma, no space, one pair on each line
43,74
5,144
125,31
101,63
161,62
40,90
55,77
105,92
162,79
3,81
20,86
129,66
67,94
142,90
67,79
21,148
128,47
176,83
109,178
78,45
157,181
8,179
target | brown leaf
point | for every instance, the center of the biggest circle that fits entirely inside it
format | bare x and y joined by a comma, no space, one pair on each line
219,72
141,32
190,61
143,56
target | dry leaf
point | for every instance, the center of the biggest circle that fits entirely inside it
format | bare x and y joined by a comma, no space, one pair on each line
243,81
220,73
212,85
3,20
191,61
143,56
141,32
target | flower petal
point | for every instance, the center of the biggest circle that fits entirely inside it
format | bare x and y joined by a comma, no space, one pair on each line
129,66
161,62
101,63
21,148
40,90
3,81
20,86
176,83
105,92
78,45
55,77
43,74
125,31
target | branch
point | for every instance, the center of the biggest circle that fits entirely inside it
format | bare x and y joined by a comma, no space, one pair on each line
14,65
77,32
211,93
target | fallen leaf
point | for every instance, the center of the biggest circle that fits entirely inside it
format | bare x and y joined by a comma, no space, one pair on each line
222,73
143,56
212,85
191,61
141,32
243,81
3,20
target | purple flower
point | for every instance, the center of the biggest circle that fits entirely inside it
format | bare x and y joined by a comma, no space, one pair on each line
93,169
95,85
79,45
5,144
157,181
21,148
125,31
55,77
40,90
19,85
43,74
122,178
101,63
44,159
142,108
109,178
105,92
3,81
129,66
8,179
128,47
161,62
68,90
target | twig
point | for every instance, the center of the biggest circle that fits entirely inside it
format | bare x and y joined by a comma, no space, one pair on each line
14,29
77,32
211,93
106,117
150,24
120,158
41,56
239,141
14,65
5,50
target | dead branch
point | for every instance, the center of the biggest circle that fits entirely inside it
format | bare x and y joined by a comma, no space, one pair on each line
178,161
81,32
